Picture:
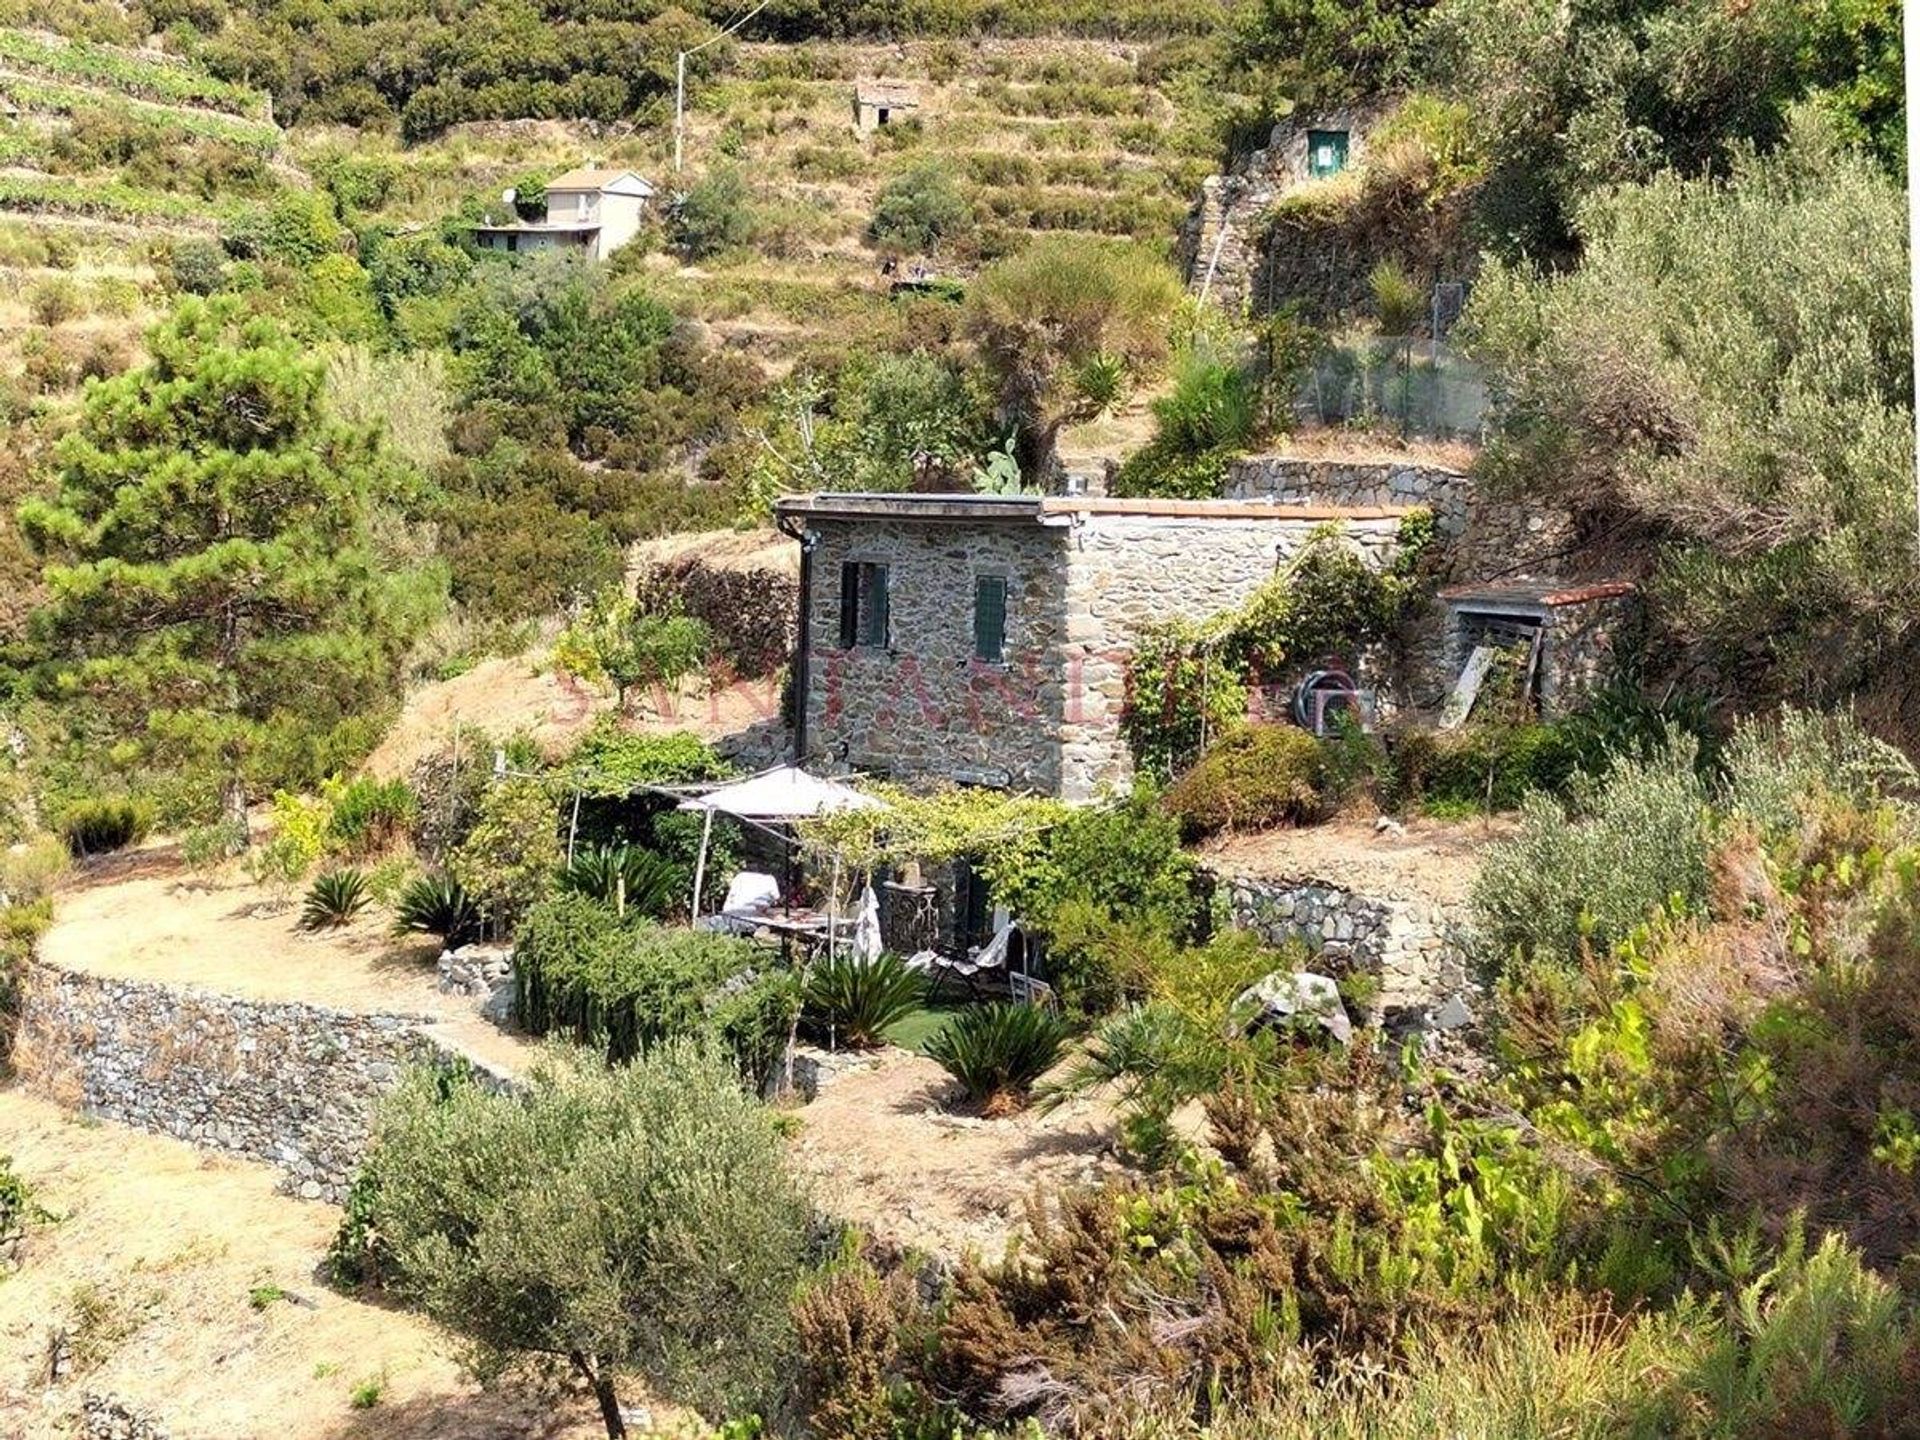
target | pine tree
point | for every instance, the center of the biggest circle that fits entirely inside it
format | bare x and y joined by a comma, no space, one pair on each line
216,587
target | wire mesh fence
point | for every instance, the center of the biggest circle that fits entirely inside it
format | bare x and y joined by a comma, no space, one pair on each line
1422,388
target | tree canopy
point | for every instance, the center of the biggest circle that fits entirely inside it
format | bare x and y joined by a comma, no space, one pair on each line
1728,374
229,580
1040,317
640,1216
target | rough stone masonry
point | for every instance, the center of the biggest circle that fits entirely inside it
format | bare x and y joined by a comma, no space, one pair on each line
1082,579
291,1084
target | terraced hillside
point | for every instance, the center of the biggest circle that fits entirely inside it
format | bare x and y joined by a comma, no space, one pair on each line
1038,135
107,157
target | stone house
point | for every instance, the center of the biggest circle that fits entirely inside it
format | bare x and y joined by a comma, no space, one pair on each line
879,103
588,209
985,639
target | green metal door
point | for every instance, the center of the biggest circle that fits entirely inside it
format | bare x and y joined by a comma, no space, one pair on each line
1326,152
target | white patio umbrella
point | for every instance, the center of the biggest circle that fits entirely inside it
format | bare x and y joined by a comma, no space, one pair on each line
784,793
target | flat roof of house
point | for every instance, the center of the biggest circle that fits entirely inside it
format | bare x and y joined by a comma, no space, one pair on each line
541,227
893,94
1547,593
966,507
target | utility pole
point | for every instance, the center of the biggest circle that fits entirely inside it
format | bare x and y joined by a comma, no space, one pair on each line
680,82
1911,35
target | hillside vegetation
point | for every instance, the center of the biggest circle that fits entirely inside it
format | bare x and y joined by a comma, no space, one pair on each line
283,443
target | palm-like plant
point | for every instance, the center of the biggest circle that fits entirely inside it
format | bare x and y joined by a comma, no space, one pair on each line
438,905
854,1000
623,874
997,1051
335,898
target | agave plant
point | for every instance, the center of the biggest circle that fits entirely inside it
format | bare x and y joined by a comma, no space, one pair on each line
438,905
854,1001
996,1052
623,874
335,898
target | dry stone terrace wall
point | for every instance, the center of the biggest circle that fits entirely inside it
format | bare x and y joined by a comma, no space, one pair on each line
290,1084
922,707
1406,942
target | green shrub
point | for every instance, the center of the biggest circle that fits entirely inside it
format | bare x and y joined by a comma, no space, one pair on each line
1397,300
56,300
1818,1337
716,214
370,815
917,209
509,858
642,1216
437,905
208,845
335,898
625,985
99,827
852,1001
625,877
29,870
1253,778
18,1208
1121,861
1483,767
1587,871
998,1051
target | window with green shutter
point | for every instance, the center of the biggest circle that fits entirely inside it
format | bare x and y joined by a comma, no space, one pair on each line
990,618
863,605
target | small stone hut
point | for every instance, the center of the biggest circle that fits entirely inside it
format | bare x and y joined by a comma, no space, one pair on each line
879,103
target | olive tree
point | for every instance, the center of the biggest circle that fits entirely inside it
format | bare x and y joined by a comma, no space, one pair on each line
642,1218
1061,310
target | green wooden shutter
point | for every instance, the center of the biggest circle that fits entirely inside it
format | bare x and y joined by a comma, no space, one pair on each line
990,618
849,605
874,614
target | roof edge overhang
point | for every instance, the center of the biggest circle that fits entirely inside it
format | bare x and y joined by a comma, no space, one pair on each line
970,508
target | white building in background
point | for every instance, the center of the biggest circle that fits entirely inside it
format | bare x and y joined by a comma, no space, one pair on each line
588,209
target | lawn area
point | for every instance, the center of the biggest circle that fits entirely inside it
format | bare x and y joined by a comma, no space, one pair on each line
913,1032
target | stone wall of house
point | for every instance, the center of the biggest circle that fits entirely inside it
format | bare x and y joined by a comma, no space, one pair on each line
923,707
290,1084
1130,572
1481,538
1578,652
1407,943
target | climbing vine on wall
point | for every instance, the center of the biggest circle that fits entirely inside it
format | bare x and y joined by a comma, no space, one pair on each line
1190,683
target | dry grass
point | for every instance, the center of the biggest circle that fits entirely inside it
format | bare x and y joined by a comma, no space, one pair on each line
152,1265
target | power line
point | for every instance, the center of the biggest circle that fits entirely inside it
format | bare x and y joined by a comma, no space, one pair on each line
680,80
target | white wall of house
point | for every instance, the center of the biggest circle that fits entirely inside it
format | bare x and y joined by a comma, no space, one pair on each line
618,209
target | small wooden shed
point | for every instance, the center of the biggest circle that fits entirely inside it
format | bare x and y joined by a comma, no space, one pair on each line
877,103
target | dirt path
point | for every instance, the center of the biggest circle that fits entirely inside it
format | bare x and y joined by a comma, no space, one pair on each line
171,1248
889,1154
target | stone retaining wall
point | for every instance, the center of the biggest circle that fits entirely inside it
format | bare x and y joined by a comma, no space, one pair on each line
1407,943
290,1084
